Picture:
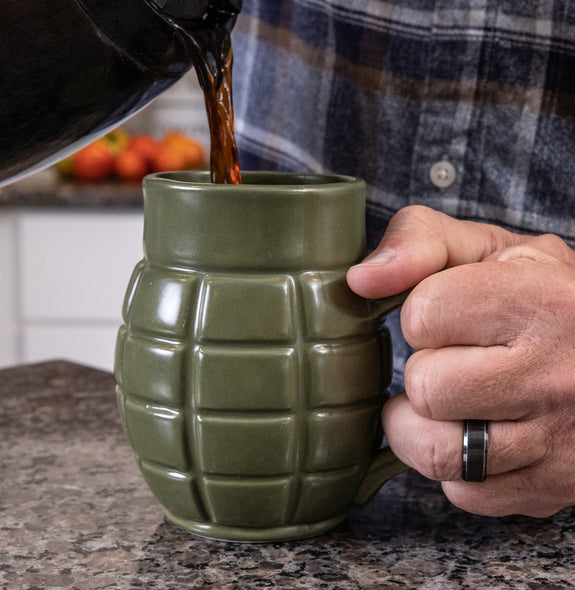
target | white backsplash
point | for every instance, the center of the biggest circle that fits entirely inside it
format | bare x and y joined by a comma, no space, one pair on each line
180,108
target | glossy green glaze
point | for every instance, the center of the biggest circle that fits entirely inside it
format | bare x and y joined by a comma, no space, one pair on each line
250,377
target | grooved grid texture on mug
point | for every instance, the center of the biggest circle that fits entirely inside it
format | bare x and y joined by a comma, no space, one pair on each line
233,387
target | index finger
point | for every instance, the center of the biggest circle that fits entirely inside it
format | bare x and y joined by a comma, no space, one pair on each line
483,304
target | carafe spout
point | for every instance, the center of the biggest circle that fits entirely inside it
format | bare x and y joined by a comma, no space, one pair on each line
207,25
203,13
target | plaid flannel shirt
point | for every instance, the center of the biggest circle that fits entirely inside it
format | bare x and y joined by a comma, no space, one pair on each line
383,89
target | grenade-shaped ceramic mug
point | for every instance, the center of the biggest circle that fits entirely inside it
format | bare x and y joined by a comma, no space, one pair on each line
250,377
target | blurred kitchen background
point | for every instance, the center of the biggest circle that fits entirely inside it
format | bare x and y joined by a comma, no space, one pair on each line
67,251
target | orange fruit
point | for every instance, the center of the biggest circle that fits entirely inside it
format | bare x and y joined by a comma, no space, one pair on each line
169,158
92,163
190,148
130,165
144,145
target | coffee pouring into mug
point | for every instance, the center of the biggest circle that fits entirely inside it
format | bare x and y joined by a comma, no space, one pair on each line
75,69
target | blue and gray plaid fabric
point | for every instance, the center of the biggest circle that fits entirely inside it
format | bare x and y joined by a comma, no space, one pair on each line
383,89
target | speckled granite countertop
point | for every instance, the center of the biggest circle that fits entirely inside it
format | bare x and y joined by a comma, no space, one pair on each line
76,514
45,190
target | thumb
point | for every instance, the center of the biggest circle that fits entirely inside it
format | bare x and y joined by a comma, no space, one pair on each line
419,242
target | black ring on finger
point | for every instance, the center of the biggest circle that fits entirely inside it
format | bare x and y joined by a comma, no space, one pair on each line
475,442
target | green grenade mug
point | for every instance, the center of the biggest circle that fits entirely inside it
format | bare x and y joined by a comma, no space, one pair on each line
250,377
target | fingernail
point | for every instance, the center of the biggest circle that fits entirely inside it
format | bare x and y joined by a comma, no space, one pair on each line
378,257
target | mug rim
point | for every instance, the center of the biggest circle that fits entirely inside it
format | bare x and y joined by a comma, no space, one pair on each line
190,221
193,179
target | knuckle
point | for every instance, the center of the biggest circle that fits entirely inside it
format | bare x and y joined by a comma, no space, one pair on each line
420,314
409,216
538,435
515,446
418,388
436,461
552,243
543,248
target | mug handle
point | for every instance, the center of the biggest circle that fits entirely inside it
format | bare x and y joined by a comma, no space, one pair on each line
384,465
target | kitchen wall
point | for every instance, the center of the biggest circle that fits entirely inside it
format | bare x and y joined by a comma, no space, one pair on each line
181,108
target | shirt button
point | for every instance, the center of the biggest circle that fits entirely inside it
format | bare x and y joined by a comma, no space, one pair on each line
442,174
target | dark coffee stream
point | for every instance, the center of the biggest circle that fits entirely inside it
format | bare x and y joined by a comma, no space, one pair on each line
212,58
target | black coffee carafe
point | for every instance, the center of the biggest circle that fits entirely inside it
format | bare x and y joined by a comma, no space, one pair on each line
72,70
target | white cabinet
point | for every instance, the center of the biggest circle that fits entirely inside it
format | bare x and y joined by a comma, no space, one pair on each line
64,277
8,294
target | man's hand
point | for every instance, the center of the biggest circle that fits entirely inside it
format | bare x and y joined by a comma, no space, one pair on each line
492,317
